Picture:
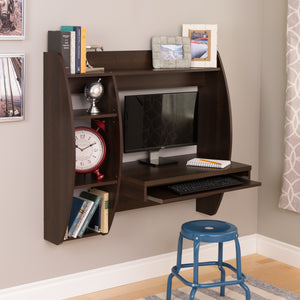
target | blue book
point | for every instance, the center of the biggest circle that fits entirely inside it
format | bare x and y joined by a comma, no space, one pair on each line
96,199
78,207
95,223
77,30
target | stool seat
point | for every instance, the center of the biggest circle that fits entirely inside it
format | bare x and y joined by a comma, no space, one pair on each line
208,231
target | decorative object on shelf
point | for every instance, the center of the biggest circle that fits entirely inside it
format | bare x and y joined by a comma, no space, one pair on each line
93,92
12,87
12,20
171,52
94,48
90,149
203,44
89,67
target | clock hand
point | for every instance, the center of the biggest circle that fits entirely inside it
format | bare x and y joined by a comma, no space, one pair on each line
76,146
88,146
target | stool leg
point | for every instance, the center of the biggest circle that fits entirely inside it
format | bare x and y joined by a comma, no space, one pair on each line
239,268
193,292
195,267
178,267
179,253
220,266
169,287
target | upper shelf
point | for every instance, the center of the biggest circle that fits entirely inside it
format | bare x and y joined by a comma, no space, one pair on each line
141,72
133,70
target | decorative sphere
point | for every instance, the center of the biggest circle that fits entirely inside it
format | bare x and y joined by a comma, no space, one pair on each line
94,90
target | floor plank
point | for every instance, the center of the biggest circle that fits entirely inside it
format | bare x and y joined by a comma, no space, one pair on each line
258,266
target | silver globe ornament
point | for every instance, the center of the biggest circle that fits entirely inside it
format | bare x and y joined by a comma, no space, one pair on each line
93,92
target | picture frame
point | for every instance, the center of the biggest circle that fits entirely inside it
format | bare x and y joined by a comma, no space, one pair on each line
171,52
12,87
12,20
203,39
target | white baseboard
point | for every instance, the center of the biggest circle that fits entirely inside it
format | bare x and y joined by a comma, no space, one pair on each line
137,270
277,250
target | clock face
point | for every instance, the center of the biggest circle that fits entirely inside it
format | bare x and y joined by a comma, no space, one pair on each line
90,149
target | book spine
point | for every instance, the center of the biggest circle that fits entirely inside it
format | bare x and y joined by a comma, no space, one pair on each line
72,45
83,50
77,219
77,30
90,215
72,52
104,216
95,223
83,217
60,42
104,208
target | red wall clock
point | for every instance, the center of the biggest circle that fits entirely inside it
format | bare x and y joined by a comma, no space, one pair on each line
90,149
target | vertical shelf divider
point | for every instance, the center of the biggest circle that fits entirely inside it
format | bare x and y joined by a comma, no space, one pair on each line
59,153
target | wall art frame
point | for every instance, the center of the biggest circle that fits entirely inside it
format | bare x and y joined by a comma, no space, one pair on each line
203,39
12,70
171,52
12,22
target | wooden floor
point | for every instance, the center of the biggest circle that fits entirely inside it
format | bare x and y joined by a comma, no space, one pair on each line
260,267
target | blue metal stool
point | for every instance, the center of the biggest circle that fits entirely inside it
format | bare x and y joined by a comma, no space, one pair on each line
208,231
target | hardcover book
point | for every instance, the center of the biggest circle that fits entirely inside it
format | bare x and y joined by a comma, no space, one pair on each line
101,219
80,218
77,57
96,199
78,206
60,42
83,50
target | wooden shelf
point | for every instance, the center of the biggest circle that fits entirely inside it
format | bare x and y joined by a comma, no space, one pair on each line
82,114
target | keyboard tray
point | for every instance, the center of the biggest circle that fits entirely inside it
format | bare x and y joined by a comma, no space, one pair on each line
204,184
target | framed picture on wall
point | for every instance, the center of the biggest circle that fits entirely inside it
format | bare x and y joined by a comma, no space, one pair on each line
11,87
12,20
203,44
171,52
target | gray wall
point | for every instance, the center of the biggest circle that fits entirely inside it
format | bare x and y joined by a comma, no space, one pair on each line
274,222
129,25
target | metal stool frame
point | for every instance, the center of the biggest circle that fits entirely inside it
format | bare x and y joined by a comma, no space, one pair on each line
206,236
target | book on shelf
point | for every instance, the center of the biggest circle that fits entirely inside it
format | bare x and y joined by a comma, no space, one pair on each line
78,205
208,163
86,206
100,219
83,50
97,202
77,57
60,42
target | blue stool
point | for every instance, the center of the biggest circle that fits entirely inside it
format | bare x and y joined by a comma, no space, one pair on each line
208,231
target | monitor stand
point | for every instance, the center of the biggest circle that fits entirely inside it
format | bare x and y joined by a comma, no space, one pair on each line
155,161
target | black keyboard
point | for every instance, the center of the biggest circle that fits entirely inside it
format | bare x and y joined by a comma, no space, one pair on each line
205,184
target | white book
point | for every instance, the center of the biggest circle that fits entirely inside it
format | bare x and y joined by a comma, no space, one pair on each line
72,52
208,163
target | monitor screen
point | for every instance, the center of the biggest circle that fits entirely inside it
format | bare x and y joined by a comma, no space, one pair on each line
156,121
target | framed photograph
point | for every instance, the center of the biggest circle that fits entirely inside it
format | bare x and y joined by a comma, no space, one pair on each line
11,87
203,44
171,52
12,20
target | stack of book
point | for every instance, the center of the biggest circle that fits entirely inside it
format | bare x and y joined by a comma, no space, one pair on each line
70,42
89,212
